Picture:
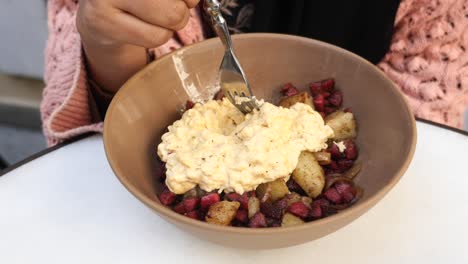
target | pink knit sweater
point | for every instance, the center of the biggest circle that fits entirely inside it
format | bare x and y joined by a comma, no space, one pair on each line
427,59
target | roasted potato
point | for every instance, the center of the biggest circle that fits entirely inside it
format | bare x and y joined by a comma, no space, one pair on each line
343,125
277,190
292,198
302,97
254,206
290,220
309,174
222,213
323,158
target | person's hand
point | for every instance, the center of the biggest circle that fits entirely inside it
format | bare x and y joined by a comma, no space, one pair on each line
114,34
144,23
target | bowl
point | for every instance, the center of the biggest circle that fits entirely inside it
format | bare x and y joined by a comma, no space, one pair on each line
152,99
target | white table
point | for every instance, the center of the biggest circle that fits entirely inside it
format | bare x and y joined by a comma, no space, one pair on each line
51,213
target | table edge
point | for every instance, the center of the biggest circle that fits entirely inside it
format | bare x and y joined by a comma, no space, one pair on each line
65,143
44,152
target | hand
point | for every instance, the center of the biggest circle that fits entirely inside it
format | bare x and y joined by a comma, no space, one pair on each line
114,34
144,23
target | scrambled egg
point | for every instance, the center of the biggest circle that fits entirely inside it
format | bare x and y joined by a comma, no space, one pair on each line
216,147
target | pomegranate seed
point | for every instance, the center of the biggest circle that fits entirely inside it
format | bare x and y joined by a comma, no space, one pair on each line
336,98
315,88
208,200
273,222
194,215
167,197
180,208
242,199
242,216
319,103
325,94
345,190
191,203
334,166
258,221
328,84
344,164
322,114
289,90
189,105
271,210
348,110
333,196
316,211
299,209
351,152
334,151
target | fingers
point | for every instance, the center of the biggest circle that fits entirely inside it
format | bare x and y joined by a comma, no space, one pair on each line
131,30
170,14
192,3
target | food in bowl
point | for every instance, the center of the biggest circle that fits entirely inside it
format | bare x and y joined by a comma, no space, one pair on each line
279,166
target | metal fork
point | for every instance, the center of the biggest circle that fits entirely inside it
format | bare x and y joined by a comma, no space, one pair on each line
232,78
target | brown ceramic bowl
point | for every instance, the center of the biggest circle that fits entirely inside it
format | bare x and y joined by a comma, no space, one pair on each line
151,100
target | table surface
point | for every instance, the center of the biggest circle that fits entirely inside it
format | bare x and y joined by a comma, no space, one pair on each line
68,207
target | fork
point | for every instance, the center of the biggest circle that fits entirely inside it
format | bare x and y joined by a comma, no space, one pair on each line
232,78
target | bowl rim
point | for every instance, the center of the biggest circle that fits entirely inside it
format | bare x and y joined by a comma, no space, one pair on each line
161,209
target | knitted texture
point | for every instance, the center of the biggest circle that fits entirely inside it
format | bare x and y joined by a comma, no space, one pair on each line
428,58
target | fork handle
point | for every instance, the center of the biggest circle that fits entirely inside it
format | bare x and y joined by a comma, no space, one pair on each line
212,7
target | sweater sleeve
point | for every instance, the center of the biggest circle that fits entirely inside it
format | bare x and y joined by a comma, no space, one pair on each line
428,58
68,108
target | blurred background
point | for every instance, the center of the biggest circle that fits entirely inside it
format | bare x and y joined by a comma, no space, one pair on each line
23,27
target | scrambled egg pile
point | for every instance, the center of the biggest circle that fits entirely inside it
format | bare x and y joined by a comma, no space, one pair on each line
216,147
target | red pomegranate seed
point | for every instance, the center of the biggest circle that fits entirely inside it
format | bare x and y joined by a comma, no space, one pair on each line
258,221
271,210
289,90
348,110
336,98
334,151
315,88
299,209
194,215
189,105
351,152
180,208
242,199
323,114
345,190
208,200
334,166
167,197
316,211
345,164
191,203
328,84
273,222
319,103
324,203
242,216
325,94
333,196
